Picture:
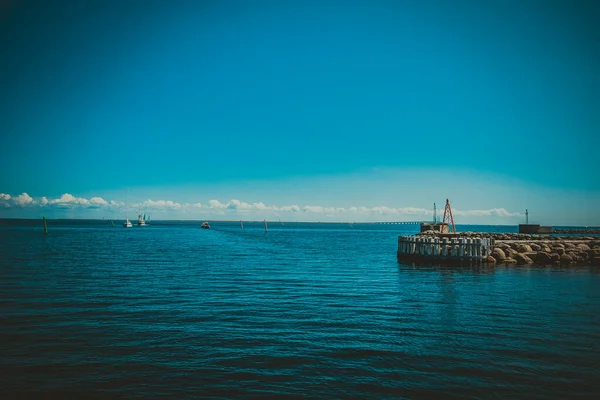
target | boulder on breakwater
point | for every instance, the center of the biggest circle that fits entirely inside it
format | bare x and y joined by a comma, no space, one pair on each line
561,252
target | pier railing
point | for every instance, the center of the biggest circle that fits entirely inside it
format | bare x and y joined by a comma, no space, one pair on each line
435,249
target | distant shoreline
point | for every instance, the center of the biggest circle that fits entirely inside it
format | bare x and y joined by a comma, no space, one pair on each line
278,221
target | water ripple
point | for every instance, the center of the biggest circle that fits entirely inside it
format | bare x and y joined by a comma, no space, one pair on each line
176,311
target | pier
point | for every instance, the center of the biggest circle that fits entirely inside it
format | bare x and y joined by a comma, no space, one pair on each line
499,248
445,250
439,243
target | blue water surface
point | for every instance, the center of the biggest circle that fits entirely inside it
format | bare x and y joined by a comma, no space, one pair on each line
304,310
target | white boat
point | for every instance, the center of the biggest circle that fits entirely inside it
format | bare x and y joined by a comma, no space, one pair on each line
127,223
205,225
141,221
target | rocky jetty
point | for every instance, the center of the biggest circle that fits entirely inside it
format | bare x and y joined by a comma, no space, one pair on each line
510,236
578,231
543,250
547,252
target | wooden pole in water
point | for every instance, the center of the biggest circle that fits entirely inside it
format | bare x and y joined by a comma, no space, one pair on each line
486,248
469,249
266,227
45,225
478,248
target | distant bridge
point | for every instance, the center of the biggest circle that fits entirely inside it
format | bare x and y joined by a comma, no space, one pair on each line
400,223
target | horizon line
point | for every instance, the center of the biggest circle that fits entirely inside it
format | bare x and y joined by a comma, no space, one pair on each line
276,221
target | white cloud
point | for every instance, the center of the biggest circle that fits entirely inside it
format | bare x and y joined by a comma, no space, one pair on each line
414,211
313,209
216,204
242,206
262,207
323,210
159,204
23,200
98,201
385,210
256,209
4,200
68,200
501,212
293,208
498,212
236,205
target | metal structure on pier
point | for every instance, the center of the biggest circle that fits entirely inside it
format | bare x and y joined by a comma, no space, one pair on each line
448,218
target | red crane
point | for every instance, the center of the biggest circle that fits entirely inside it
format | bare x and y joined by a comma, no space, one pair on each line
448,218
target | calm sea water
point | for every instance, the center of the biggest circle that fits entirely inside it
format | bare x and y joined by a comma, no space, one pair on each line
314,310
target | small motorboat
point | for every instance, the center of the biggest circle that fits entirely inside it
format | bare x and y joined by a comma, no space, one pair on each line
127,223
205,225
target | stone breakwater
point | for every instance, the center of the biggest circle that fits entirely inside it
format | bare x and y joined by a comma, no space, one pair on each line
547,252
543,250
511,236
578,231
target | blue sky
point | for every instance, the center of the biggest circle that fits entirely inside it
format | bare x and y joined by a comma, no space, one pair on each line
316,110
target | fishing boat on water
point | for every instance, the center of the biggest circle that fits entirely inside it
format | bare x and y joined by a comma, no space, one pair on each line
205,225
142,221
127,223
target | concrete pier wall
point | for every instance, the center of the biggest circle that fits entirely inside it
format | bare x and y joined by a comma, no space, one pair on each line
444,250
534,228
